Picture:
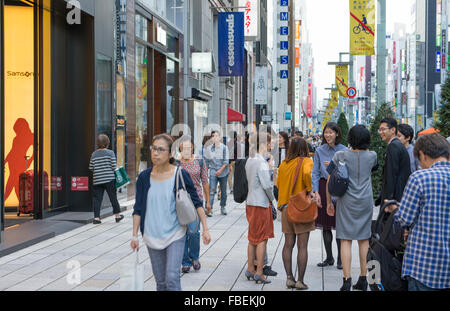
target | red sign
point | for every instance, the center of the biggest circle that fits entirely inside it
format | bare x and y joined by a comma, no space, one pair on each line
56,183
80,183
351,92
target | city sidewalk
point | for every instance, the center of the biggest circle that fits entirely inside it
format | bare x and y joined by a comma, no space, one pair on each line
102,250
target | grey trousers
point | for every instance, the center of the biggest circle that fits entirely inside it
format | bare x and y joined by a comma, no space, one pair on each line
166,265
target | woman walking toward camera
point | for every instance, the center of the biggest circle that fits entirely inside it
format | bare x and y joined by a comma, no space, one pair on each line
156,216
103,164
332,136
354,209
298,151
199,174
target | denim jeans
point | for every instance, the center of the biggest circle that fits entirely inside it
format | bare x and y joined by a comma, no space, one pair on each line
213,181
192,245
416,286
166,265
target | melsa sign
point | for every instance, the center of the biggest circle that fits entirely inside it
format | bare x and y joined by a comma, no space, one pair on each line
231,44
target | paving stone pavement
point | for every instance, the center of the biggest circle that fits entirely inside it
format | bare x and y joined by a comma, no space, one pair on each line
102,252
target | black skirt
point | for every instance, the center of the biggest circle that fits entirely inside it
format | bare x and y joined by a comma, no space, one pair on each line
324,221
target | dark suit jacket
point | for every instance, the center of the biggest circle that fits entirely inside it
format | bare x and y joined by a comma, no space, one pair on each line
396,172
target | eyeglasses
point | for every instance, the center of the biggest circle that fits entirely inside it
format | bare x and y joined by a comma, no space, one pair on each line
158,149
382,129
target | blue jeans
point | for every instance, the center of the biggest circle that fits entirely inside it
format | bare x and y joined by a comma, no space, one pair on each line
213,181
416,286
166,266
192,245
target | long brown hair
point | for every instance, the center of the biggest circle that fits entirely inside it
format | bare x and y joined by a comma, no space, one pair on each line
298,147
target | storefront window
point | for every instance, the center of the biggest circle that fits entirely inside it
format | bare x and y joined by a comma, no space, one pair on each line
104,95
142,139
171,95
172,10
141,28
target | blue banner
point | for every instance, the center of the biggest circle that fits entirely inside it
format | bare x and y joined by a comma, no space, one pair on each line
231,44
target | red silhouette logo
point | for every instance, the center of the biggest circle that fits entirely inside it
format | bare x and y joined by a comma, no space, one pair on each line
16,158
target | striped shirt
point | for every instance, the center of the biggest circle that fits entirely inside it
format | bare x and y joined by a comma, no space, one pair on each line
103,164
426,208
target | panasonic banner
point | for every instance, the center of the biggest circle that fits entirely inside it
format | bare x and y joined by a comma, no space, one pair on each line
231,44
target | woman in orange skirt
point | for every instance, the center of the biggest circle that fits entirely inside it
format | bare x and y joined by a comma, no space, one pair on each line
259,206
298,149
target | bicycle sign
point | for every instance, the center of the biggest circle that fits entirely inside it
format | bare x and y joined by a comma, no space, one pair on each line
357,29
351,92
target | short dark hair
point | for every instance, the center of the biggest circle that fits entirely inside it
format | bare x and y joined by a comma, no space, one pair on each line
299,133
297,148
407,131
359,137
392,123
335,127
169,140
432,145
103,141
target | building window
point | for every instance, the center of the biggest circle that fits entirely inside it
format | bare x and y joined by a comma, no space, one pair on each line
141,27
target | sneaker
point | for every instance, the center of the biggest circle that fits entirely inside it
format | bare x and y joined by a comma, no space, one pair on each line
210,213
185,269
267,271
196,264
223,211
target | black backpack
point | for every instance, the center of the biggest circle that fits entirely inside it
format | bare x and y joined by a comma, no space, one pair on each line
339,180
240,184
387,247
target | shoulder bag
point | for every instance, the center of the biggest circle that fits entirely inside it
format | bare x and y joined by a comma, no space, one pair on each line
186,211
301,209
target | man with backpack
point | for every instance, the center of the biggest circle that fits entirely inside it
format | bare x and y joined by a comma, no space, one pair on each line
425,208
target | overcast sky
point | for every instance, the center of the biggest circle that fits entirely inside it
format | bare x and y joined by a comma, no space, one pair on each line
328,22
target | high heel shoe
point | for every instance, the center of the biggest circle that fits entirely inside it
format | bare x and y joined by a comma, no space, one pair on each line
362,284
290,283
347,285
259,280
250,276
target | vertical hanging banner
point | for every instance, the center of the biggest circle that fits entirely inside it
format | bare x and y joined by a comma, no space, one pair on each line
261,85
334,98
362,27
342,79
231,44
251,18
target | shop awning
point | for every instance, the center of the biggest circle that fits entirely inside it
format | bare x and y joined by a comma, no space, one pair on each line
235,116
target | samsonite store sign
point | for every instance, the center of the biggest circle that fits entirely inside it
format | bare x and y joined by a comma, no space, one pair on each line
231,44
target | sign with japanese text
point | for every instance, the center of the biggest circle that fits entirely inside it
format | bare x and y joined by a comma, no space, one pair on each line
251,18
362,27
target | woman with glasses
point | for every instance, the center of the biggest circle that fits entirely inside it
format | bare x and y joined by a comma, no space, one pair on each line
156,216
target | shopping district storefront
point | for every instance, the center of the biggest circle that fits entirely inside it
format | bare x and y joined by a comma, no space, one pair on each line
62,85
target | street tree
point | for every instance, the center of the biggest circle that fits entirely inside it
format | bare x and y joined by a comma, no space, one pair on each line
343,124
379,146
443,124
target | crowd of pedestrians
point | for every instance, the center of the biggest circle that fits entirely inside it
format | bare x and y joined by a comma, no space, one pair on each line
295,176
